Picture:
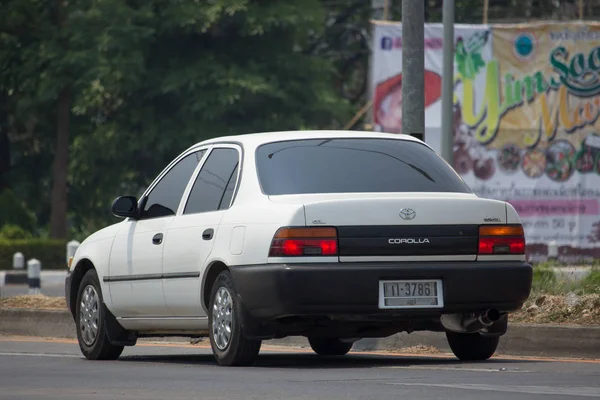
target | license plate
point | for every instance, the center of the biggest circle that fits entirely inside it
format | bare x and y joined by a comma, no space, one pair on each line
411,294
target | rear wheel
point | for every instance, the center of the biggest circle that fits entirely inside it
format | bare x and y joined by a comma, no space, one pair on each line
329,346
229,345
91,325
472,346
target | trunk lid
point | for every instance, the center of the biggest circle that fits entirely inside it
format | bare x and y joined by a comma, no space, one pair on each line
401,225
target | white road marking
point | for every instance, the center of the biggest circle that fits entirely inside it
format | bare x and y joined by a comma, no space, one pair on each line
39,355
458,369
562,391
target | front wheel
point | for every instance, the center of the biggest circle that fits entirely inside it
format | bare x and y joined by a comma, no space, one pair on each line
329,346
472,346
91,325
229,345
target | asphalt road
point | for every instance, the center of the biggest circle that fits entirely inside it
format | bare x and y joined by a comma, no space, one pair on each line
54,369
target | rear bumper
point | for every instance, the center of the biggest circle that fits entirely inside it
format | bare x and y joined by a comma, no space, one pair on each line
274,291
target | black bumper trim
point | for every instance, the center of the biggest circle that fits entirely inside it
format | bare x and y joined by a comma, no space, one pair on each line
350,290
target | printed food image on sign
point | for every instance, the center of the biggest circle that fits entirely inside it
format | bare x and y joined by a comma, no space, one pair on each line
509,158
534,163
560,158
587,159
469,154
387,104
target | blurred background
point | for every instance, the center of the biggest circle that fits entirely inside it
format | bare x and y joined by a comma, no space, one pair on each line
97,96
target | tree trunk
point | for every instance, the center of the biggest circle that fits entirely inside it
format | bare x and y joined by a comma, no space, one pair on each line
58,216
4,148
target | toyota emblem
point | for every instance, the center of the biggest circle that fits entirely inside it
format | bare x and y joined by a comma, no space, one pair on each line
407,213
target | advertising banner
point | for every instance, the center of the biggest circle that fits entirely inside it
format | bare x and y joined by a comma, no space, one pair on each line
526,127
540,120
474,48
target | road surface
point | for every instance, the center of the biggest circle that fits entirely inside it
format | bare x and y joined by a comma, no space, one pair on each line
33,368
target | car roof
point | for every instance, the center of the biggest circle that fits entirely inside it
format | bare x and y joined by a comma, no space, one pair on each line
256,139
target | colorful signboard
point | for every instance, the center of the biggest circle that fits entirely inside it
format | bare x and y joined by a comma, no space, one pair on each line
387,73
527,129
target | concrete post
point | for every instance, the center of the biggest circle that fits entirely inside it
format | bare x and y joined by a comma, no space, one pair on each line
18,261
34,272
447,139
552,250
18,275
413,67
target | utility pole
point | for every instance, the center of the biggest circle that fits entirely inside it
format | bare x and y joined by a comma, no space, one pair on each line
413,67
447,138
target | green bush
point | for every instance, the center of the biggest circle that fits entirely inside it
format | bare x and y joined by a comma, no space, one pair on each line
591,283
51,253
13,232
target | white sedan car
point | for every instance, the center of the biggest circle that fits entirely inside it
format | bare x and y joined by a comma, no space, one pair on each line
331,235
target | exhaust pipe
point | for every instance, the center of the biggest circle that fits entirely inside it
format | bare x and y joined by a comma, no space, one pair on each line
488,317
469,323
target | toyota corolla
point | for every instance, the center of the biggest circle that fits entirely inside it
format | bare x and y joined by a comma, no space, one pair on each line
331,235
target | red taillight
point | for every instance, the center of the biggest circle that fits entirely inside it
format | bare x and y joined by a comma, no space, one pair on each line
501,239
304,242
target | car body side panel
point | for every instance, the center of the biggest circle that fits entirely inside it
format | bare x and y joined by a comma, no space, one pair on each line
96,249
260,221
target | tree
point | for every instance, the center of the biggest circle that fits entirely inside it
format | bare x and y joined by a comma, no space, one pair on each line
169,74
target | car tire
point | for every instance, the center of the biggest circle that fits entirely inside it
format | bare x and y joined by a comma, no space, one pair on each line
90,321
329,346
229,345
472,346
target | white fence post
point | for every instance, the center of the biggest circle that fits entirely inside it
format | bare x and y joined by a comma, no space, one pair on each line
18,261
34,271
552,250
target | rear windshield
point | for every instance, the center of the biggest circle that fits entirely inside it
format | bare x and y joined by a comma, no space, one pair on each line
353,166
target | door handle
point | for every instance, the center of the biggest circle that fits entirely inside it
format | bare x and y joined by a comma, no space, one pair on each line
208,234
157,239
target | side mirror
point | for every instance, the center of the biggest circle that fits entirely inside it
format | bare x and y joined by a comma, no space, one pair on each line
125,207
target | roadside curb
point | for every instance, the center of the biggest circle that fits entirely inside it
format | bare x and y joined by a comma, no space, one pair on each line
574,341
19,277
15,278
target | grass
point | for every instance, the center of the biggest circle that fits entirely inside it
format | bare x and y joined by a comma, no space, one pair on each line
591,283
557,299
547,281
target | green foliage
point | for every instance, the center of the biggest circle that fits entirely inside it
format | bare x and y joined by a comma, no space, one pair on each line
150,78
591,283
14,212
12,232
51,253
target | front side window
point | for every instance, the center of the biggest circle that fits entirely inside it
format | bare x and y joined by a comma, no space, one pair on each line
353,166
215,183
164,198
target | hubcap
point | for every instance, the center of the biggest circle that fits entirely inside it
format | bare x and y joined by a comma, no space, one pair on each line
89,315
222,318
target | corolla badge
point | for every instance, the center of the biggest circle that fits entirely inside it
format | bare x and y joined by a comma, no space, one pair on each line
407,213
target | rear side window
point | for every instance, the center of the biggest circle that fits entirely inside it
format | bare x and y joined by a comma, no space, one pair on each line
353,166
215,183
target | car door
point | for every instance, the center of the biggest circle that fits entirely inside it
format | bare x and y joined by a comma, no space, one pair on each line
191,235
135,269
